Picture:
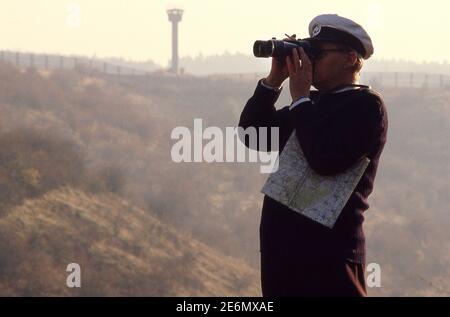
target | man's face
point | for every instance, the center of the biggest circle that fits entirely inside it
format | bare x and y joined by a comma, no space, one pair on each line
329,65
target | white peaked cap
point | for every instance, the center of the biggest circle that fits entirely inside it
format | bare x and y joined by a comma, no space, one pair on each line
334,28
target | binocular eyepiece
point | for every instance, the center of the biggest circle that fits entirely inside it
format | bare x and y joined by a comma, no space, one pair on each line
280,48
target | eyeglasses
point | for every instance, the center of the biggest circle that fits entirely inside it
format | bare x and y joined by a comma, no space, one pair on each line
320,53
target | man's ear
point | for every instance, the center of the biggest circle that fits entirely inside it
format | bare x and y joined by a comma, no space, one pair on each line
351,59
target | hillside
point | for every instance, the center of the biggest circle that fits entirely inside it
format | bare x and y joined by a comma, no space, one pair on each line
122,251
104,135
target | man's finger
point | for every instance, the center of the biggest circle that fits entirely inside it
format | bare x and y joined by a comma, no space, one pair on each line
296,58
305,59
290,67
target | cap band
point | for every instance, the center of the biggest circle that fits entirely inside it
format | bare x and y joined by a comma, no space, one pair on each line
330,34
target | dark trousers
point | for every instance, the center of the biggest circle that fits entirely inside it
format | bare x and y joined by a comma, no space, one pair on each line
312,276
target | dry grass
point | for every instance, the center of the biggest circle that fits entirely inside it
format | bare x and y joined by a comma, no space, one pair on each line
112,134
122,250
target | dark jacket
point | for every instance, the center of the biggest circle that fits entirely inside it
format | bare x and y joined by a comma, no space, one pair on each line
334,131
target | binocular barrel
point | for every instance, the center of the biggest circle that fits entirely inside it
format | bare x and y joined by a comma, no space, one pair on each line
279,48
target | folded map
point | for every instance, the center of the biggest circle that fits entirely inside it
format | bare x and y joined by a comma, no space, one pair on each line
318,197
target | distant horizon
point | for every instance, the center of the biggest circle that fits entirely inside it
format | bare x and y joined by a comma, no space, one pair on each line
203,56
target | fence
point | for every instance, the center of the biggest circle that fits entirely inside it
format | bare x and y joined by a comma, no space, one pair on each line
376,79
52,62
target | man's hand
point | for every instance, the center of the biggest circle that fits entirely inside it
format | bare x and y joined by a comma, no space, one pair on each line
300,75
278,73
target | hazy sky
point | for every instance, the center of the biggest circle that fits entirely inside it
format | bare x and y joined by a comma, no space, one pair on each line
139,29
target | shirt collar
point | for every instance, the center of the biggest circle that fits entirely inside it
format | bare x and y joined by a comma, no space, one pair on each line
347,88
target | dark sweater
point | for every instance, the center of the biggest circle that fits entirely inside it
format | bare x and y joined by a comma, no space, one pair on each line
334,131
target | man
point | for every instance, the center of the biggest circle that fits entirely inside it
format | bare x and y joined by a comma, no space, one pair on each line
336,126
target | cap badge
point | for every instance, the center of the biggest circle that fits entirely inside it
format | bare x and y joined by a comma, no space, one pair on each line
316,30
